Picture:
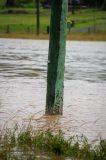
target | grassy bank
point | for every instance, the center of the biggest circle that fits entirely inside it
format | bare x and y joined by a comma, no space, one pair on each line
21,25
30,145
71,36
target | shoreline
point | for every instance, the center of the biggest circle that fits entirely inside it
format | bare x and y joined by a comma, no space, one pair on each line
72,36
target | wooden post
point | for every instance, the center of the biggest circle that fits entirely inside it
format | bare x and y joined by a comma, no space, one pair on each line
37,17
56,57
8,29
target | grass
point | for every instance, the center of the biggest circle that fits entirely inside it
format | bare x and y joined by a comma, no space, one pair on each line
21,22
26,23
29,145
86,18
72,36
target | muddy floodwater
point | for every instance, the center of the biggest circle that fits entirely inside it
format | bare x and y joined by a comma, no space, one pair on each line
23,74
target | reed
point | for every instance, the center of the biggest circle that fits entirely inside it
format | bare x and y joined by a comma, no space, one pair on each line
28,144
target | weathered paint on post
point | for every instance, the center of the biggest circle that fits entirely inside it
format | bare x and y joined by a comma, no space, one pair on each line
56,57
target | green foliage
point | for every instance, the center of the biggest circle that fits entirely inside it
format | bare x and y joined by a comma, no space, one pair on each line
38,140
24,1
7,143
100,151
56,143
2,3
20,22
24,140
104,5
27,144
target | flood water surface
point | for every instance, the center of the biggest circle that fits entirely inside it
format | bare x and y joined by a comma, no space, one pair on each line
23,74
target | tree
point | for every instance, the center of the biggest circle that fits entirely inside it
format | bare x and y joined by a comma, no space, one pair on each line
104,5
74,5
93,3
10,3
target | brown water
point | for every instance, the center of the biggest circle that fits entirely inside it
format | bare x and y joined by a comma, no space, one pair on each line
23,67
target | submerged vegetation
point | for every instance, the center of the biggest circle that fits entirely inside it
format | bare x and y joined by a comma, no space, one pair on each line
30,145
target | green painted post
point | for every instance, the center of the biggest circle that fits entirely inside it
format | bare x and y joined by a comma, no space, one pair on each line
56,57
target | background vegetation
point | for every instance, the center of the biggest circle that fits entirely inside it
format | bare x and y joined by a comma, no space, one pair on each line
30,145
89,17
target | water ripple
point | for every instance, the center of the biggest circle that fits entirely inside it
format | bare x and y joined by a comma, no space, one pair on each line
23,69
